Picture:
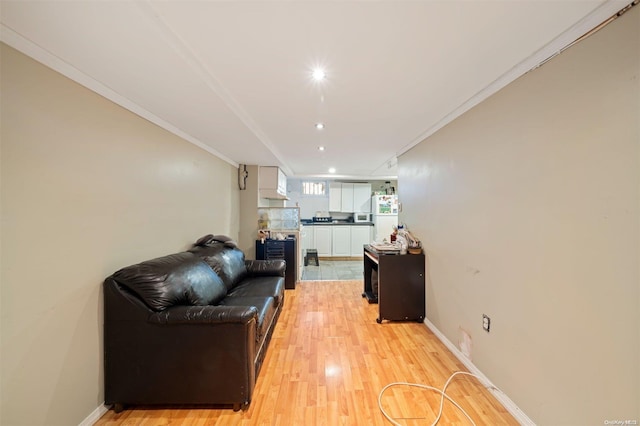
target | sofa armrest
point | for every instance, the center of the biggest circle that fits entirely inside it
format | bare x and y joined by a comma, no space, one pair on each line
183,355
205,315
266,267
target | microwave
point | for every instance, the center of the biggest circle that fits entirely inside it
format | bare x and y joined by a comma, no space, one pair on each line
362,217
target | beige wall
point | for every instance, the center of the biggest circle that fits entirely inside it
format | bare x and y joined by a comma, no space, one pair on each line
529,209
87,188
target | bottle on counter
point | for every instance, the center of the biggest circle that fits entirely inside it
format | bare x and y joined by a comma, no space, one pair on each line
402,242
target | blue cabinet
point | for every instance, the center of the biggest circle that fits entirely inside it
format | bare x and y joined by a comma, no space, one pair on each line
280,249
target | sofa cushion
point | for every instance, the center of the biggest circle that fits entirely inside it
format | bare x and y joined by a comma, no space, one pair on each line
227,262
260,287
177,279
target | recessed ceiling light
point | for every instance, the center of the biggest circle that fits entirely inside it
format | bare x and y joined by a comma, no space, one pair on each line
332,170
319,74
319,126
321,148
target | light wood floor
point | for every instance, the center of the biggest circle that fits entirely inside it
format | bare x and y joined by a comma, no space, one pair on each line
327,362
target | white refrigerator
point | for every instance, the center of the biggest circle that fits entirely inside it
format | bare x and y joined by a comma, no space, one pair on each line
384,210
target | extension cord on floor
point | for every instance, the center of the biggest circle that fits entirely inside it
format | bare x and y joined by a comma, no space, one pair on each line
442,393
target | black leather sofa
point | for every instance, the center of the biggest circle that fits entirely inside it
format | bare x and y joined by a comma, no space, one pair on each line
190,328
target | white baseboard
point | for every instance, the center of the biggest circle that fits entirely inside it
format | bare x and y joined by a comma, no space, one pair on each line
94,416
506,402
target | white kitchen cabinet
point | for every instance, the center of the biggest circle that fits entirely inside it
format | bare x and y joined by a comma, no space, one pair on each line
322,239
335,196
362,197
336,240
341,241
272,183
307,241
360,235
307,237
346,198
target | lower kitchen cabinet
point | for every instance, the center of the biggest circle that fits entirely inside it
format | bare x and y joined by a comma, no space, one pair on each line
341,241
307,237
323,237
336,240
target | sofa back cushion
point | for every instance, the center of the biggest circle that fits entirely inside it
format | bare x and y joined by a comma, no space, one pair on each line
227,262
177,279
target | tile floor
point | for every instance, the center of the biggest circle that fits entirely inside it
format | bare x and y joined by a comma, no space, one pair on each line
334,270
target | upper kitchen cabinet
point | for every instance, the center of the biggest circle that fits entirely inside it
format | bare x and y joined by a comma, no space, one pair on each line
362,198
347,197
335,196
272,183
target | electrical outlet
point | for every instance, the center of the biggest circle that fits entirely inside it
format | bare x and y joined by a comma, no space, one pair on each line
486,323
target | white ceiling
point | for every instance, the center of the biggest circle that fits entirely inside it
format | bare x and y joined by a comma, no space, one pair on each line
234,77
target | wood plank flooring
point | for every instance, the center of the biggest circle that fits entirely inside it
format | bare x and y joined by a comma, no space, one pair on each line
327,363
